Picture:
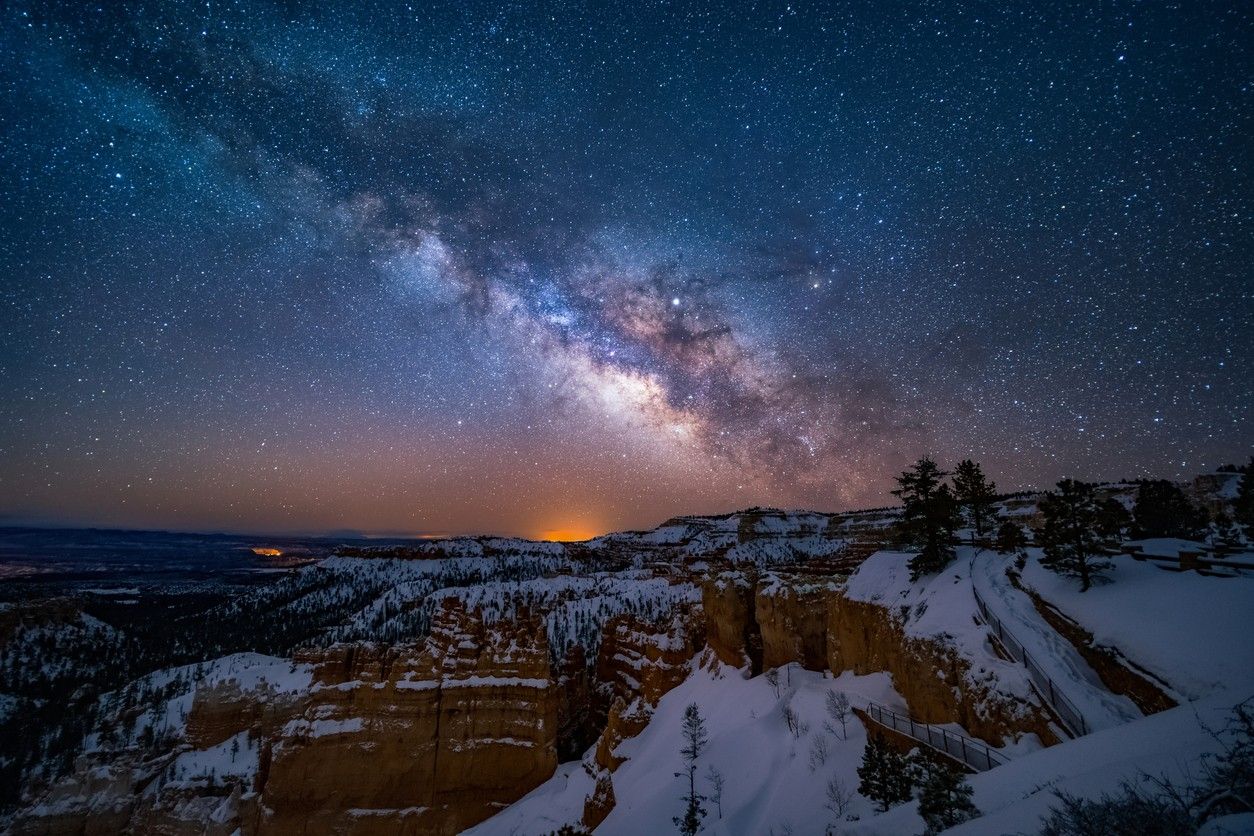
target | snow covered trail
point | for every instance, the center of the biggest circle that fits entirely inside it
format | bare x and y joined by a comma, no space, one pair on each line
1056,656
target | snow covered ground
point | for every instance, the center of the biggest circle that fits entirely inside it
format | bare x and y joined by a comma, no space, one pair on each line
772,786
771,782
1056,656
1014,797
1192,631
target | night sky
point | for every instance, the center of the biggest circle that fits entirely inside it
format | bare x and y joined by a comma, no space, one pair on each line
570,268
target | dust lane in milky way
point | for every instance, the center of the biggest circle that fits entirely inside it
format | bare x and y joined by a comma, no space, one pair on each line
565,268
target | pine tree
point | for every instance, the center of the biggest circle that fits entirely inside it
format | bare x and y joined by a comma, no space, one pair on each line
928,512
1163,510
944,795
1112,519
1069,534
977,496
1227,533
1243,504
885,774
1010,539
694,742
948,512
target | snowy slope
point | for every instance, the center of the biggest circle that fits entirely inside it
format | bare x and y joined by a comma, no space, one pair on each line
1055,655
770,785
1014,797
167,695
575,607
1192,631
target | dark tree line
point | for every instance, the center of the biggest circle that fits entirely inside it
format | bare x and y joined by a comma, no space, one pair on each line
889,777
1079,527
933,510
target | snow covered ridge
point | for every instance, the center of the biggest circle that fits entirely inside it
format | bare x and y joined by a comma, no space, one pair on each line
696,535
575,608
457,547
162,701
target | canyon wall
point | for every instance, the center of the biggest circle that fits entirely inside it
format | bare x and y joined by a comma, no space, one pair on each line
792,620
426,739
432,737
798,619
637,665
938,683
423,738
730,622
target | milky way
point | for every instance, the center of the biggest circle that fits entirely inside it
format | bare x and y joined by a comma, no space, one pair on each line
569,267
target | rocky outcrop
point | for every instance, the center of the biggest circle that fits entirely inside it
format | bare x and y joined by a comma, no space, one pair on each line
637,665
792,619
625,721
189,813
419,738
225,709
598,805
730,620
426,739
939,684
639,659
97,798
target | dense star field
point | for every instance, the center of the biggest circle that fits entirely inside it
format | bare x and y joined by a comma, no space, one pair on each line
562,268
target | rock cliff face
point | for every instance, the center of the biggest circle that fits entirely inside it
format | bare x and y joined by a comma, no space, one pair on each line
426,738
435,736
937,683
422,740
222,710
730,619
639,659
638,663
792,619
97,798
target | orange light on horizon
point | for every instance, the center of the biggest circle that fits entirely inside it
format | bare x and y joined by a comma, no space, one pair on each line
266,552
568,535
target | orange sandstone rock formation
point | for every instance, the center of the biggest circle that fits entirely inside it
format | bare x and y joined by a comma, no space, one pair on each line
421,740
939,685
